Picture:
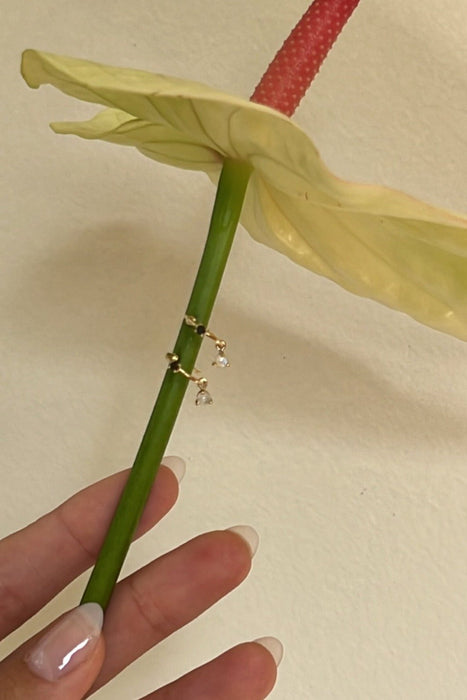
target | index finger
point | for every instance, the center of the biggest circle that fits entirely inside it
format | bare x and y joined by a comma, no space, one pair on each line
40,560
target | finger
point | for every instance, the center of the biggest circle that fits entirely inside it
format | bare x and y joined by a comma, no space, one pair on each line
60,662
167,594
61,545
246,672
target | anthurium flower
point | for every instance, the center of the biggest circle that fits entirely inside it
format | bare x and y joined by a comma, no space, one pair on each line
373,241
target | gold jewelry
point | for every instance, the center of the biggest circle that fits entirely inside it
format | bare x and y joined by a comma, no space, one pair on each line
203,397
221,360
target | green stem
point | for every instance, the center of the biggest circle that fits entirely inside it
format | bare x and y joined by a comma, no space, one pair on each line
226,213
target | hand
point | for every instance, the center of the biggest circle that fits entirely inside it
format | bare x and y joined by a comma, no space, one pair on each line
73,657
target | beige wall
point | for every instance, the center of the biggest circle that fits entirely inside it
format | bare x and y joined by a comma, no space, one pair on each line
340,430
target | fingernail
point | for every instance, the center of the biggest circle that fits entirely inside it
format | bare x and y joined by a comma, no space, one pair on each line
66,645
249,534
176,465
274,646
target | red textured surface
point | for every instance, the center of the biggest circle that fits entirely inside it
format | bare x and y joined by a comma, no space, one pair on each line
300,58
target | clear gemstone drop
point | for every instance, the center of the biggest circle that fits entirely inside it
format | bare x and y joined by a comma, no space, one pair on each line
203,398
221,360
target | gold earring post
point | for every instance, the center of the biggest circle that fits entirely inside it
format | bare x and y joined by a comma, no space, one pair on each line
203,397
200,329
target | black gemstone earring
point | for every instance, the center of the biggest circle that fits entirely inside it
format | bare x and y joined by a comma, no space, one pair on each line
200,329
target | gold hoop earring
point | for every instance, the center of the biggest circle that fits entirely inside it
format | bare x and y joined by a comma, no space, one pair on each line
220,360
203,397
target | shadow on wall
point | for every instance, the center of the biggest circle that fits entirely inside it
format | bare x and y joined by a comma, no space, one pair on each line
115,295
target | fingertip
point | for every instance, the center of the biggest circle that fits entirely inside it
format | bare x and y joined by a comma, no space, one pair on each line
176,465
248,535
62,661
274,647
259,661
69,643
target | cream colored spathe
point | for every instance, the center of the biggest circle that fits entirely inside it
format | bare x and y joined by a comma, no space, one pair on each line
373,241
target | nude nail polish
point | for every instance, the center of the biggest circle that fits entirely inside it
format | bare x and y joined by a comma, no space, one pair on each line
67,644
274,646
249,534
176,465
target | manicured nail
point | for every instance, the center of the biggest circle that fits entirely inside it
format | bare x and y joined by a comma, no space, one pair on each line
176,465
249,534
66,645
274,646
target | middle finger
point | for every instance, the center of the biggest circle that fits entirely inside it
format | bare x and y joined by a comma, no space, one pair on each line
165,595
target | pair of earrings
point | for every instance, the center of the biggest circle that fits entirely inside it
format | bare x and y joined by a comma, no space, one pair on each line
203,397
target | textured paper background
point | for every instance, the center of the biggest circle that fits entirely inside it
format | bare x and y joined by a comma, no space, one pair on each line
339,431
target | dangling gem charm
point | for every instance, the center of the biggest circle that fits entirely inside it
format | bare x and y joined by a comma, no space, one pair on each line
203,397
221,360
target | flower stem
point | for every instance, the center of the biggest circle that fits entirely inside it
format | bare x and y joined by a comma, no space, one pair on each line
226,212
282,87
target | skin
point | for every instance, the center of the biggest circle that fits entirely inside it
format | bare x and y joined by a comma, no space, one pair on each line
146,607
